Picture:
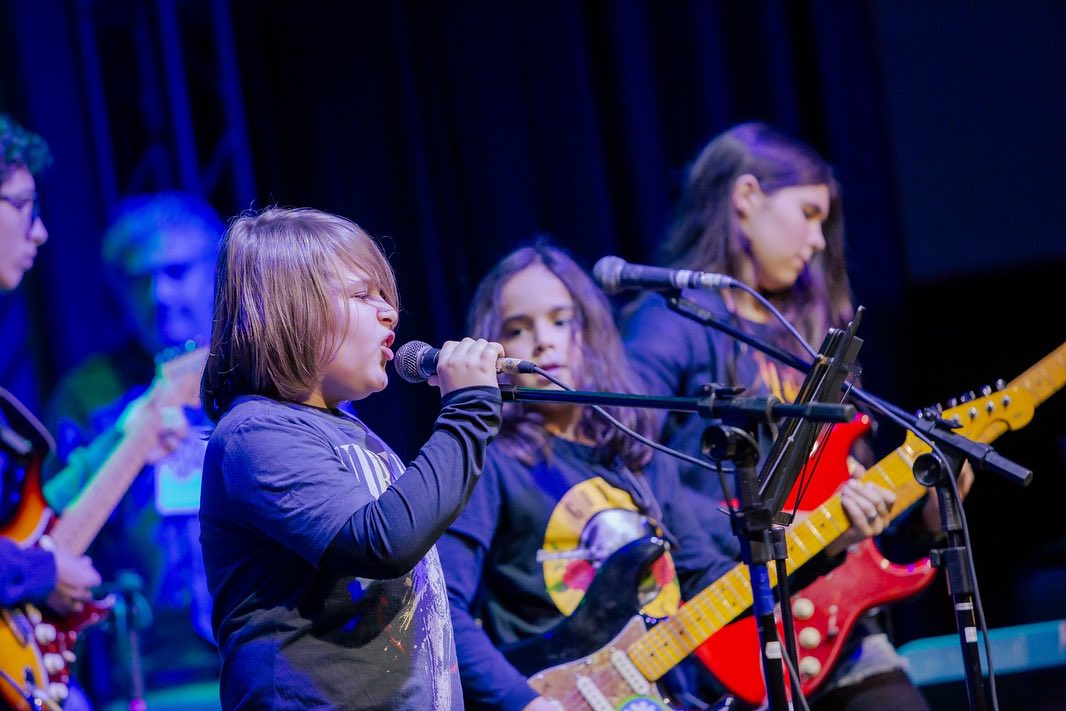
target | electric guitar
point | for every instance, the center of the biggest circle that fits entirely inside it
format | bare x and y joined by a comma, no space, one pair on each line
604,657
826,610
36,646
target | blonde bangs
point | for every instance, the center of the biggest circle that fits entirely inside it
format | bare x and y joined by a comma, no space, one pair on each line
276,283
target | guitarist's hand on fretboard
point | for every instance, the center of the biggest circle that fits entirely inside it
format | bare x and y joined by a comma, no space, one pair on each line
75,578
869,507
162,426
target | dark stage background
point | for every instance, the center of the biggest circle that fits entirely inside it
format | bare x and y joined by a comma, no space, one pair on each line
457,130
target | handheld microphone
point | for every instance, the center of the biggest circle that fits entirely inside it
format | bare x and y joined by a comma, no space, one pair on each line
415,361
615,274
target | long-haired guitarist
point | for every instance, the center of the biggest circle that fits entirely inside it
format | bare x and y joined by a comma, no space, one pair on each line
563,491
765,209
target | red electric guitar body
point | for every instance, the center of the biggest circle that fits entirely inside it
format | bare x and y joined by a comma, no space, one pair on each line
826,611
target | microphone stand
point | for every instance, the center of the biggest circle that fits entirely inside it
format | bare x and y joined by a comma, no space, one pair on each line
719,404
933,471
930,470
752,522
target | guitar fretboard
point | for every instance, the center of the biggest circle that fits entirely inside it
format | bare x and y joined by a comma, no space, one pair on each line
89,511
673,639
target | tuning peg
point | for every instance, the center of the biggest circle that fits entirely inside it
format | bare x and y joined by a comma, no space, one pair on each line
968,396
953,403
1001,384
986,391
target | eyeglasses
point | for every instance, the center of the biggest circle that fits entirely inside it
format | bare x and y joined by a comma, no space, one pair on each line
21,201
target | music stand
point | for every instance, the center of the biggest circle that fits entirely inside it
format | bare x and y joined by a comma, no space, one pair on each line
761,497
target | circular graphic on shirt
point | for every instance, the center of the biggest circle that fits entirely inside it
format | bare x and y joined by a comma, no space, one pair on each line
590,522
767,377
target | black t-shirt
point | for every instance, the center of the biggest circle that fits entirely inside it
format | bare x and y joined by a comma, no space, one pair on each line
527,546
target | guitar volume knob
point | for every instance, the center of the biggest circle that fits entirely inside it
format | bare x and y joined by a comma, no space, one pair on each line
809,638
802,608
809,666
54,663
45,633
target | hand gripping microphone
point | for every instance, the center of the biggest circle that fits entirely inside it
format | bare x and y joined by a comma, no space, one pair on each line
615,274
415,361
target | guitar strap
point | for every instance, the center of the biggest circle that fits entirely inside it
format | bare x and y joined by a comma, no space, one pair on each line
636,485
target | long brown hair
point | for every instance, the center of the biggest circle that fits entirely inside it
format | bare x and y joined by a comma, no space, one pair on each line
706,235
274,323
603,362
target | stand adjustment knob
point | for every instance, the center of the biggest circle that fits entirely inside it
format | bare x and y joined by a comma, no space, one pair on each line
809,638
809,666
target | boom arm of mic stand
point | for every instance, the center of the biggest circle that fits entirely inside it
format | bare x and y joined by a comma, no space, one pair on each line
767,409
980,454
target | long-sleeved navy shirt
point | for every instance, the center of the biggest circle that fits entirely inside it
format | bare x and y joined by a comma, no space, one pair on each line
319,549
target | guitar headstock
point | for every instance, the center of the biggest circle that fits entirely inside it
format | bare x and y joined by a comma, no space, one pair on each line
983,417
178,379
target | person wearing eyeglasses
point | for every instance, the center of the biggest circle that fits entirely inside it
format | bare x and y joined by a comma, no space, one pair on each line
60,579
21,230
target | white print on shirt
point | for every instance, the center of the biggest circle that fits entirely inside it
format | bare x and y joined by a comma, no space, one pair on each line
370,469
436,630
376,471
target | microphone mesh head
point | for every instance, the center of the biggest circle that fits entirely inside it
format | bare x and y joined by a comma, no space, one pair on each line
608,273
408,361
